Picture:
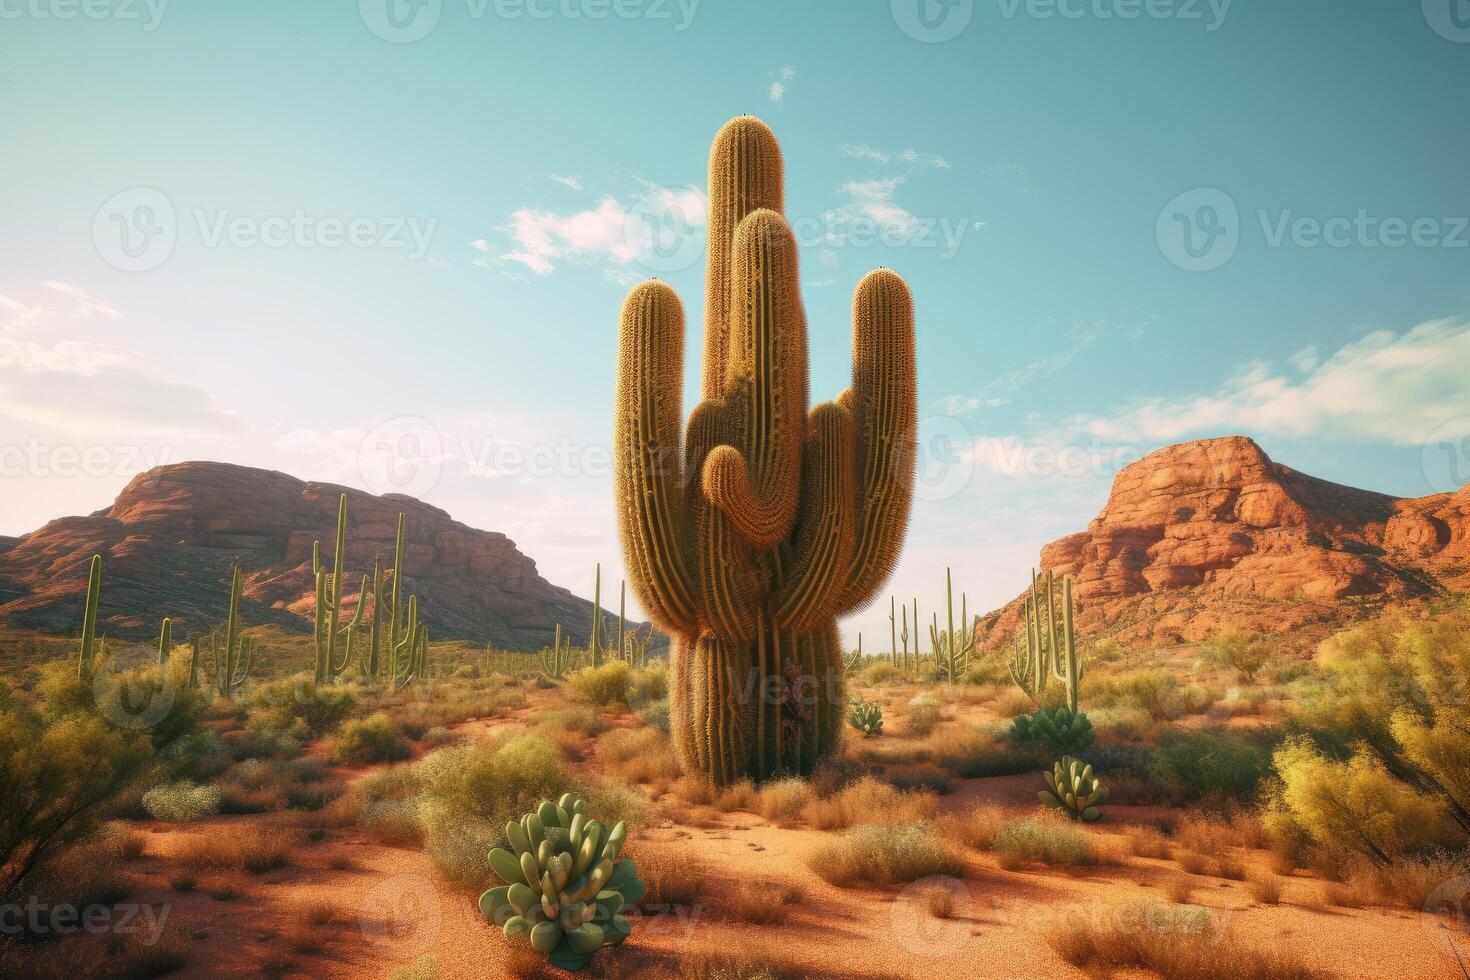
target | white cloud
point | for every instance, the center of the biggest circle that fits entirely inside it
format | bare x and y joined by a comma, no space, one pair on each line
1395,388
910,158
612,233
778,93
870,203
72,301
575,183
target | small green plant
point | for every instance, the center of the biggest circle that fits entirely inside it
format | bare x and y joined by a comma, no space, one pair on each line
565,887
1059,730
865,716
181,802
1072,788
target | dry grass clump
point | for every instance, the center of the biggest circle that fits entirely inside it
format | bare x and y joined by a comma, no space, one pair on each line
1192,862
783,800
667,880
255,849
1180,889
1264,888
639,755
975,828
869,801
1148,843
1046,838
1179,942
886,855
737,796
760,903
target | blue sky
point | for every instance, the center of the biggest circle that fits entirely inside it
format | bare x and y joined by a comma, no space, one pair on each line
1113,227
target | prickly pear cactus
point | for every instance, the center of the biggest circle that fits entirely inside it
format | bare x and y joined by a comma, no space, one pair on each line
865,716
1059,729
1072,787
565,887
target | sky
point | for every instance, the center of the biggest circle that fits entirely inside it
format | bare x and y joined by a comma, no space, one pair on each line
384,243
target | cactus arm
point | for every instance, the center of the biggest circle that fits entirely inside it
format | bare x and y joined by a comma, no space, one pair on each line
745,174
648,478
165,642
756,480
884,404
825,541
594,641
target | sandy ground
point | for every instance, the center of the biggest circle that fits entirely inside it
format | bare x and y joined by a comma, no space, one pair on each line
394,910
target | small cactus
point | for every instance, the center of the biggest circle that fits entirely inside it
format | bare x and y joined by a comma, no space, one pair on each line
1072,787
554,660
865,716
1061,730
565,887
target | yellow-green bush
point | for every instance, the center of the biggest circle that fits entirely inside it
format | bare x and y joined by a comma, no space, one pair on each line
370,739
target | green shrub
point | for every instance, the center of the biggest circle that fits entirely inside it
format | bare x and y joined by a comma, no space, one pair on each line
370,739
1057,731
1047,839
182,802
1187,767
924,714
603,685
320,708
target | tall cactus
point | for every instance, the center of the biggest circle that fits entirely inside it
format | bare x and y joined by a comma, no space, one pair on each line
952,648
594,642
233,654
772,522
165,642
1048,648
554,661
89,656
329,636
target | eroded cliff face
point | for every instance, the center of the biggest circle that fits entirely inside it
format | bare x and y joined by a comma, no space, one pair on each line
1213,534
169,539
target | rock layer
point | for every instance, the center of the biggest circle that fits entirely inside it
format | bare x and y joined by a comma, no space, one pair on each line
169,540
1212,534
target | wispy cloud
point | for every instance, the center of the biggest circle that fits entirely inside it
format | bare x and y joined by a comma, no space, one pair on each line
780,84
54,300
910,158
1394,388
575,183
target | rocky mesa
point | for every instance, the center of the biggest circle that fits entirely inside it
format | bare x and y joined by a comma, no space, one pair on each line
170,538
1213,534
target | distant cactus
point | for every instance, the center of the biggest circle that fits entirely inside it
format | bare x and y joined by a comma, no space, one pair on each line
865,716
232,653
952,648
554,661
594,639
1048,650
89,658
329,605
565,885
1072,788
165,642
772,521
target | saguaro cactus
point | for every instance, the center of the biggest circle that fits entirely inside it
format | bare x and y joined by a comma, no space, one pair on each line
89,619
165,642
1048,649
233,653
594,641
771,522
952,648
329,605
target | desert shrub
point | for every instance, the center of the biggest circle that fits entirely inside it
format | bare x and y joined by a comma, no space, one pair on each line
1264,888
878,673
613,801
886,855
370,739
580,720
975,828
278,705
603,685
257,848
923,714
868,801
1149,843
61,767
1187,767
930,778
865,716
438,737
1057,731
1354,805
1046,838
1245,653
182,802
970,753
1013,702
650,684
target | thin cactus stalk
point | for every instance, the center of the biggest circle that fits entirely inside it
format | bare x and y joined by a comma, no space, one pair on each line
233,653
194,663
165,642
330,635
622,621
952,648
1050,647
410,654
746,546
903,634
917,630
892,632
594,641
89,659
553,662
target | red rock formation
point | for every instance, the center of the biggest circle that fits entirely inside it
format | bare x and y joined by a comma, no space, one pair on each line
1213,534
169,539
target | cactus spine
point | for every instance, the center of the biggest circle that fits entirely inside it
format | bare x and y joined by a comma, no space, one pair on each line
233,654
952,649
89,619
773,521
